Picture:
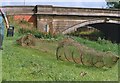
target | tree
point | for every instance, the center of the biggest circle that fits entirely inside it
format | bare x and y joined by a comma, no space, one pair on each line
113,4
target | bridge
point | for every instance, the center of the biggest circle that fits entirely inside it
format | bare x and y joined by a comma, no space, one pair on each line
90,23
65,19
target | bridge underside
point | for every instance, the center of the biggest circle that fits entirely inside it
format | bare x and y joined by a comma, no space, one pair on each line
111,30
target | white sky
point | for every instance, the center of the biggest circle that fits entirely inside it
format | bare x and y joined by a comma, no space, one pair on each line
53,0
72,3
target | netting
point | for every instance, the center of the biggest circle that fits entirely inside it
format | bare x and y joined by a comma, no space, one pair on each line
72,51
26,40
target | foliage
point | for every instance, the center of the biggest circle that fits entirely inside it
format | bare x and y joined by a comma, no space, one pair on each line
36,33
114,4
25,31
89,34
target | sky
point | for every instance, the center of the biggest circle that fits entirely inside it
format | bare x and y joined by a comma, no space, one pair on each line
68,3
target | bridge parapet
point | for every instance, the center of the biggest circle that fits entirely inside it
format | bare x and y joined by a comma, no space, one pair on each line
19,10
44,9
53,10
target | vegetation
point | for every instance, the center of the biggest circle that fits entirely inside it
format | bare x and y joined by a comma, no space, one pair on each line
36,33
40,64
24,63
113,4
101,45
86,33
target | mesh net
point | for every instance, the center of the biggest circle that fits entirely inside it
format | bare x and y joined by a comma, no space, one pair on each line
70,50
26,40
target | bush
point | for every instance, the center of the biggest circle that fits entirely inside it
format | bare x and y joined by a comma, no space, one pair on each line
36,33
24,31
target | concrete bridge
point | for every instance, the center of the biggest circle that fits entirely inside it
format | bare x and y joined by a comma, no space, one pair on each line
58,19
64,20
90,23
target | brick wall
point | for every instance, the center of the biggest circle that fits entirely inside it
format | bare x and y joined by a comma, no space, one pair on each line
29,18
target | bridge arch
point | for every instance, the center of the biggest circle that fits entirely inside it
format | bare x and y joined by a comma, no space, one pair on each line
89,22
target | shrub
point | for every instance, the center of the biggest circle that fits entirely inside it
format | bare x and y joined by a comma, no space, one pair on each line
24,31
36,33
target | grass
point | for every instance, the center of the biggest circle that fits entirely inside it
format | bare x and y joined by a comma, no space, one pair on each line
40,64
101,45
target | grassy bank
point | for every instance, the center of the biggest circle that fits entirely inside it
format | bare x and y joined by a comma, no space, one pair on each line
40,64
101,44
